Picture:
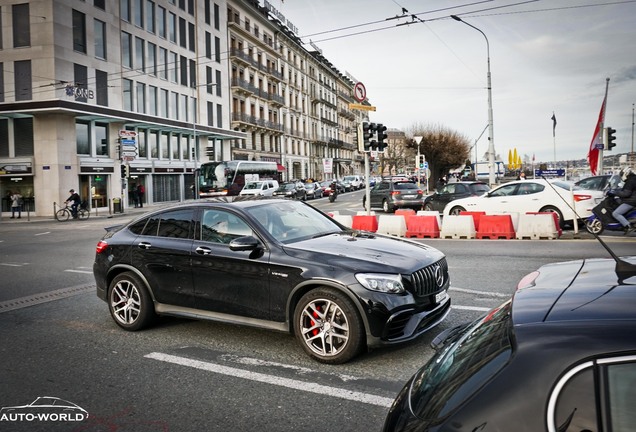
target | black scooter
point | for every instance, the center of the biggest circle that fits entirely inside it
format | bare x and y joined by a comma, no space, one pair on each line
334,192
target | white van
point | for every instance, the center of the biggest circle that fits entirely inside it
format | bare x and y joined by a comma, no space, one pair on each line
260,187
355,181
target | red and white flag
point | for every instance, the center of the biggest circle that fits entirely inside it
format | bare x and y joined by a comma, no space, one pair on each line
597,140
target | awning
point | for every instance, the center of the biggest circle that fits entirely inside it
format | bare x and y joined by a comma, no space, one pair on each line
280,168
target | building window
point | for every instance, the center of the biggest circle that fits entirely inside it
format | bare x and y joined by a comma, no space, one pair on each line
208,45
1,82
184,70
219,115
138,13
79,31
217,21
183,108
23,86
101,139
152,100
193,73
208,13
101,92
163,63
161,21
81,138
174,146
142,142
4,137
124,10
183,41
191,37
152,59
163,103
21,25
100,4
191,7
208,79
150,16
127,96
165,154
172,27
81,81
140,55
210,114
23,136
174,105
217,49
100,39
141,97
154,145
218,83
126,49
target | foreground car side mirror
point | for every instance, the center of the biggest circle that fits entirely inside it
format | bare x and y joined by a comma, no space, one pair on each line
245,243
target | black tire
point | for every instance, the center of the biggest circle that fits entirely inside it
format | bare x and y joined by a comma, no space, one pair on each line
456,210
62,215
129,302
388,208
83,214
551,209
328,326
594,227
428,207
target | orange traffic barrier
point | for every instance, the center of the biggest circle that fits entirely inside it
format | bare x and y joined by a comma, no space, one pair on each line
556,220
496,227
365,223
476,216
407,213
422,226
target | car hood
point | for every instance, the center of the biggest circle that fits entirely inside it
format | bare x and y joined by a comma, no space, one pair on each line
363,252
582,289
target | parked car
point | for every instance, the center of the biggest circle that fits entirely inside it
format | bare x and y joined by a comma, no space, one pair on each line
261,187
313,190
276,264
355,181
594,183
294,190
558,356
452,191
390,195
536,195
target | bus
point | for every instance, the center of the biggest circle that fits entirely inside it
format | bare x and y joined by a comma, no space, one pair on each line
229,177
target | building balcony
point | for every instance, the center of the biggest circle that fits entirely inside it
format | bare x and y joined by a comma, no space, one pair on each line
250,122
242,86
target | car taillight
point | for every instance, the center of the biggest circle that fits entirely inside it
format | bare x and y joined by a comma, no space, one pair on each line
578,198
395,193
101,246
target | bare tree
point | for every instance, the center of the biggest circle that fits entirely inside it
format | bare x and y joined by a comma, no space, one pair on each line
444,148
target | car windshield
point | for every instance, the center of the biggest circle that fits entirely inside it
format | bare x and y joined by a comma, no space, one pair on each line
565,185
253,185
287,186
463,366
405,185
480,189
291,221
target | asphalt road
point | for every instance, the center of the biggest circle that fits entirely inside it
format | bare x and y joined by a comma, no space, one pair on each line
182,375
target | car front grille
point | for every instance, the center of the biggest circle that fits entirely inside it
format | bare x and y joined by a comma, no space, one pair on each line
430,280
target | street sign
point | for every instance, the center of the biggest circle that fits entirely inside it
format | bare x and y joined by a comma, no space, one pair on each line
128,158
129,148
359,92
128,154
128,142
425,165
127,134
361,107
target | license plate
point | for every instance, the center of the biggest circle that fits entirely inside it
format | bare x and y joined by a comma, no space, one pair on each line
440,297
408,196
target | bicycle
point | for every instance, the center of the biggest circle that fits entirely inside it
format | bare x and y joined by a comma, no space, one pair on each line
65,213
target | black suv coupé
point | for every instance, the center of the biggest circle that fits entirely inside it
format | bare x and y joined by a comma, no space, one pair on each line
277,264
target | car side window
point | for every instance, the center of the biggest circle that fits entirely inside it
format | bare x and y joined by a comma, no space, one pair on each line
176,224
219,226
505,190
576,404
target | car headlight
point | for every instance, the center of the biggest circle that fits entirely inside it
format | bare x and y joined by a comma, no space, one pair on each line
388,283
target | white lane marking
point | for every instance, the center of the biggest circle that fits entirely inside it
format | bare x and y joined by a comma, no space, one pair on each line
484,293
79,271
43,233
13,265
274,380
471,308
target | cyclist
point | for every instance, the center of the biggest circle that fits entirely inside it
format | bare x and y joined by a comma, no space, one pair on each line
75,200
628,198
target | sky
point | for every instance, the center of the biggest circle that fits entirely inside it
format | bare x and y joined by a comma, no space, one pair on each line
546,56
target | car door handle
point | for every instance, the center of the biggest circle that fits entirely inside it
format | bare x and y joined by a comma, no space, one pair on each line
144,245
202,250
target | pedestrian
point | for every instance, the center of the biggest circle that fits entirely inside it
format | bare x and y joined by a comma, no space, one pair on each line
141,191
135,195
16,205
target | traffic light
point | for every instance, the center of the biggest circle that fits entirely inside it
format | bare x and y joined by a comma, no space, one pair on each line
420,162
367,134
381,137
610,138
125,170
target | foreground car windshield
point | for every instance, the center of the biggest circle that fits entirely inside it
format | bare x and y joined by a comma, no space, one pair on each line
463,366
290,221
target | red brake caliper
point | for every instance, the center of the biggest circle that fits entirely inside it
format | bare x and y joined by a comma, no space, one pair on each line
313,323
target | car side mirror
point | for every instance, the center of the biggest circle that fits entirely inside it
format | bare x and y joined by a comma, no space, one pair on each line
244,243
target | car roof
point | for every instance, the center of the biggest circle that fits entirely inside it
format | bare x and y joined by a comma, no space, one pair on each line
587,289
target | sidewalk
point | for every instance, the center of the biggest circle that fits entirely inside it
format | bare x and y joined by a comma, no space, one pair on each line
5,218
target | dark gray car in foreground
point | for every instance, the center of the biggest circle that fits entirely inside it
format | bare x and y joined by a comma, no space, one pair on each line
276,264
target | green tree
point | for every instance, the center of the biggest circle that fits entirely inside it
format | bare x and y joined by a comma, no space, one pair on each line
445,149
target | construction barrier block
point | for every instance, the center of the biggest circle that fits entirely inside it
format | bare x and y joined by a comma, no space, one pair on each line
496,227
365,223
536,226
476,216
458,226
431,213
405,213
555,218
364,213
392,225
345,220
422,226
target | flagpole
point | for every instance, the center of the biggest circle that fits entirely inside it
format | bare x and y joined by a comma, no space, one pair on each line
600,153
595,152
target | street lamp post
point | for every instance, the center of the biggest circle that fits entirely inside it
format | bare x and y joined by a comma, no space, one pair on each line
491,138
